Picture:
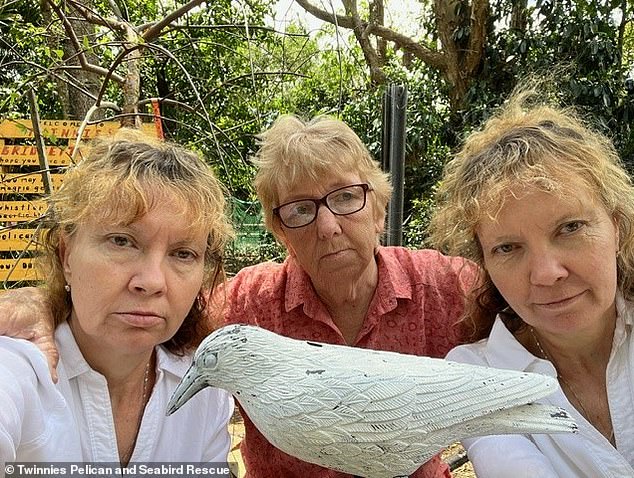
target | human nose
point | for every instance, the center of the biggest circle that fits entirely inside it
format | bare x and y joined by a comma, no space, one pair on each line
546,267
327,222
149,277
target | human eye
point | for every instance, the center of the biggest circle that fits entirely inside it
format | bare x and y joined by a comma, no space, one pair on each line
120,240
186,255
571,227
298,209
503,249
345,196
301,208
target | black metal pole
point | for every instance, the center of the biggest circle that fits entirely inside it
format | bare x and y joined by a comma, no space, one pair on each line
393,142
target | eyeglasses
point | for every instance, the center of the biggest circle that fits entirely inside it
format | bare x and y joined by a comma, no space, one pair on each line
341,202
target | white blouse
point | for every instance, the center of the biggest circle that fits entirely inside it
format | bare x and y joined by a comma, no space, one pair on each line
587,454
72,420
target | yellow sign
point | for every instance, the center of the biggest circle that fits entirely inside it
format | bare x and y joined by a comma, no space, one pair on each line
52,129
26,155
12,270
16,239
20,211
31,183
63,129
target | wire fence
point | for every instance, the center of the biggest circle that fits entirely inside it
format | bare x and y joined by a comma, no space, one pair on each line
253,243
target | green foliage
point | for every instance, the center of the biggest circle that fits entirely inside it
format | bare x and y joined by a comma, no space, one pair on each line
252,244
628,45
22,46
327,78
417,223
576,39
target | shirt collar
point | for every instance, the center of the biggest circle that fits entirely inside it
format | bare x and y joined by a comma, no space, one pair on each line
393,275
299,288
73,361
75,364
624,321
504,351
624,310
393,281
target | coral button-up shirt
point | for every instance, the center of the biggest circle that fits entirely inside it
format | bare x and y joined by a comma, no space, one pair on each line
419,296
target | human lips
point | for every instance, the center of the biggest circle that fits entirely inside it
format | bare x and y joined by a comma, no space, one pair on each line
558,302
140,318
333,254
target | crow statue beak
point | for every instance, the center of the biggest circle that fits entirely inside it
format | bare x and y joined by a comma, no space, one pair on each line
192,383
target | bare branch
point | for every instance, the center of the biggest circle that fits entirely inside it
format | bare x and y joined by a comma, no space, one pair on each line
117,11
95,18
132,86
341,20
155,30
432,58
361,33
86,66
167,101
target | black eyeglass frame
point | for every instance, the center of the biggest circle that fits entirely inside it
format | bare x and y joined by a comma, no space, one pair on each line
318,203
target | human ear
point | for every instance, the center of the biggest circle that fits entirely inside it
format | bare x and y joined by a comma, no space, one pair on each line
63,252
379,224
617,235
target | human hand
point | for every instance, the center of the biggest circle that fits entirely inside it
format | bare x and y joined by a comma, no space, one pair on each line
25,314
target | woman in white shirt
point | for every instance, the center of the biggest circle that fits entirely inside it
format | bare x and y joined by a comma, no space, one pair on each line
135,236
542,203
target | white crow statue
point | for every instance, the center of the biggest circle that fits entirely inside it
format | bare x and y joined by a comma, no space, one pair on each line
365,412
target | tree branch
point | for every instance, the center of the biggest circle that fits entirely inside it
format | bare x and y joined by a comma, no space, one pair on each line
446,22
361,33
377,17
96,19
86,66
477,37
432,58
155,30
342,21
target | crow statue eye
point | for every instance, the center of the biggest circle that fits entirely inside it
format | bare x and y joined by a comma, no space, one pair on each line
210,360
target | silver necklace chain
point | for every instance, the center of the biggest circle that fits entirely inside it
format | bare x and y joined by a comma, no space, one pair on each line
567,383
125,458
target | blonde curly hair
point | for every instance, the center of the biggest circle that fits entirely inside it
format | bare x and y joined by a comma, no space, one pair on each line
119,182
527,144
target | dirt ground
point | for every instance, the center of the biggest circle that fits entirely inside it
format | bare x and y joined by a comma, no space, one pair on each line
466,470
236,428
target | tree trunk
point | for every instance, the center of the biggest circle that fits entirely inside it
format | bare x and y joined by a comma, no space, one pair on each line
132,84
74,101
519,19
